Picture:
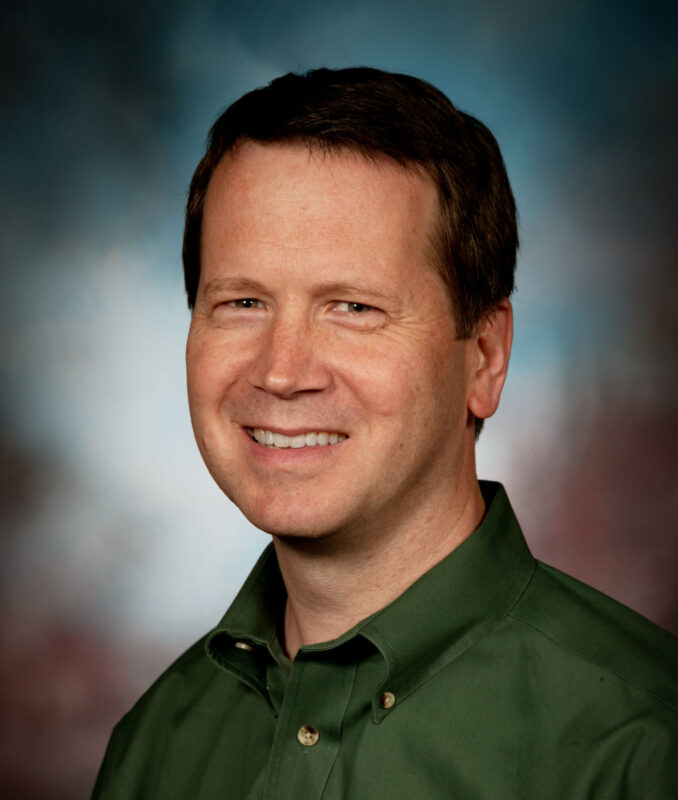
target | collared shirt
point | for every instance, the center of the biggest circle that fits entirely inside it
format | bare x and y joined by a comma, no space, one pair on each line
491,677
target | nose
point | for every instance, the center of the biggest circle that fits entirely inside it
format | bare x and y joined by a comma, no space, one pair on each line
287,360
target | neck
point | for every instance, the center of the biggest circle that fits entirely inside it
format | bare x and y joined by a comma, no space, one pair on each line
336,581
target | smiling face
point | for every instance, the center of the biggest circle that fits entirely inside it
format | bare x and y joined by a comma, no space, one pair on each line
326,386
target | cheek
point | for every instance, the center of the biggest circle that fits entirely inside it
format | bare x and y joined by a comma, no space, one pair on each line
426,388
389,382
211,368
200,377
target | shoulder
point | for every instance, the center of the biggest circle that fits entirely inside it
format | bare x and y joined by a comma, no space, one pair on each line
584,623
189,676
145,728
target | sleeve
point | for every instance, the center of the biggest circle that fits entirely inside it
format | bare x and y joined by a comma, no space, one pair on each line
104,787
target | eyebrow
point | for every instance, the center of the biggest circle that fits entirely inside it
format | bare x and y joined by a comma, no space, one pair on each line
328,288
234,284
342,289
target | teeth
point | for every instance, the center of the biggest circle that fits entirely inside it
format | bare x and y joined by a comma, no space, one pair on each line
311,439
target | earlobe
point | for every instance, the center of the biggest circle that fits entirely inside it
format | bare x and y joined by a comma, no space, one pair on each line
492,350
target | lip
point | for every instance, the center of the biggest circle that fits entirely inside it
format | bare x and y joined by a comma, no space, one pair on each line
288,456
249,429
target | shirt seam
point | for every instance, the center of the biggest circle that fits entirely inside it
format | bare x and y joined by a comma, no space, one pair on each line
592,660
349,695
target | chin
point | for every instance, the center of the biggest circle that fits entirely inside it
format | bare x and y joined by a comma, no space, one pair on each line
286,520
284,527
307,511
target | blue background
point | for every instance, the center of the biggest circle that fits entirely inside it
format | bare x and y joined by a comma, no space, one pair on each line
117,549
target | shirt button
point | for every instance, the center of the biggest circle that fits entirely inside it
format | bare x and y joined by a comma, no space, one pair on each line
244,646
308,735
387,700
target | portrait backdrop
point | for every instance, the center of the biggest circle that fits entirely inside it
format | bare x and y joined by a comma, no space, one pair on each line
118,549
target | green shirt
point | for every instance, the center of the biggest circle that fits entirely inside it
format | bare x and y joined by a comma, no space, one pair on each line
493,676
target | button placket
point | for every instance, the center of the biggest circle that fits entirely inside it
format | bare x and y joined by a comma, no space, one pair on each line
308,732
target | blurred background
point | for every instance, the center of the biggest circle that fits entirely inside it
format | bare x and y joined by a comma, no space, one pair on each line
117,550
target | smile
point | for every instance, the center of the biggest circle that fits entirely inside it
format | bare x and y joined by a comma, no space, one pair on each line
310,439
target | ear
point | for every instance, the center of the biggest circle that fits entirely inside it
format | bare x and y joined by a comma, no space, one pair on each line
491,351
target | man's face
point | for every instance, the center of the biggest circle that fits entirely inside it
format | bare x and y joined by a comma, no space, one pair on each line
318,319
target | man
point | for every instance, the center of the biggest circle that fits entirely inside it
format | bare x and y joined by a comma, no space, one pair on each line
349,254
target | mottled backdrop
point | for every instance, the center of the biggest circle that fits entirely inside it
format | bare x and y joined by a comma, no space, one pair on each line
118,551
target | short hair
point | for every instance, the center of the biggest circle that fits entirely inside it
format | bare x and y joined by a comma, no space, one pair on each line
376,114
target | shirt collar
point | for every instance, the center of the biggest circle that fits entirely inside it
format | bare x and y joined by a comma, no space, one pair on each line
456,603
445,612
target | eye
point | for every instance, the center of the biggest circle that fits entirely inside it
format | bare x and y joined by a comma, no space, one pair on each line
246,303
353,308
239,311
356,315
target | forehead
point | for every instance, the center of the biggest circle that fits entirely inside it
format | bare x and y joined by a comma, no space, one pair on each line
300,191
